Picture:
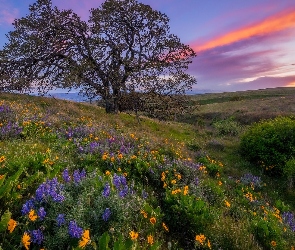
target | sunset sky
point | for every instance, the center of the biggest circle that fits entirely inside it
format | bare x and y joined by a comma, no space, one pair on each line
240,45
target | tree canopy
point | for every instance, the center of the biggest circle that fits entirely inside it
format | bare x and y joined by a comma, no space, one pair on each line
125,47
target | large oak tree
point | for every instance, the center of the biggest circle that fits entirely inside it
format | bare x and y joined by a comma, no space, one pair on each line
125,47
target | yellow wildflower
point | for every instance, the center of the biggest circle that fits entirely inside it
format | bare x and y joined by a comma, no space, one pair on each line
144,213
165,227
2,158
200,238
150,239
105,156
133,235
219,183
173,182
85,239
227,203
153,220
11,225
163,176
176,191
2,176
125,174
32,215
273,243
108,172
185,190
26,240
209,244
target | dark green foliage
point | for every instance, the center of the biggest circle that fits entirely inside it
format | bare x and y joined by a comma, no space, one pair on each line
271,143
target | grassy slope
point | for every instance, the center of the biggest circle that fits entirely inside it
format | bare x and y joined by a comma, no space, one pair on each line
197,130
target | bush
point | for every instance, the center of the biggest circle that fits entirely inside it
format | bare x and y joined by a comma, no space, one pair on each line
271,143
227,127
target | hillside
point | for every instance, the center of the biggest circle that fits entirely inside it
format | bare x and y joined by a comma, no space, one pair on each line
72,176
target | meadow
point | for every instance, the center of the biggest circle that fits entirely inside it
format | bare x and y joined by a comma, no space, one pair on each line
74,177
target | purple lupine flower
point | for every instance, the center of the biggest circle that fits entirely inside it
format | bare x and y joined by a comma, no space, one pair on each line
41,213
106,215
74,230
248,179
116,181
28,206
37,236
50,189
144,194
197,181
60,219
65,175
288,218
107,190
124,191
76,176
119,180
83,174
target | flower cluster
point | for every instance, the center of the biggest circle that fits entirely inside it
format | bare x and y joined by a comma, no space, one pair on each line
289,219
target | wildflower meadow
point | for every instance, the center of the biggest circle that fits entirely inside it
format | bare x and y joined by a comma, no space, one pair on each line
73,178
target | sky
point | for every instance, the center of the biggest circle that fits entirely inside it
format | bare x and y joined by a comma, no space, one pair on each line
240,45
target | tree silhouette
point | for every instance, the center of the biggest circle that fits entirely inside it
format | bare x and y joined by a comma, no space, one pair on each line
125,47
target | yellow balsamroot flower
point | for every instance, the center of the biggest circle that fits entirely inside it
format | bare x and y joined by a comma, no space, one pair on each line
165,227
163,176
11,225
85,239
26,240
144,213
108,172
133,235
153,220
150,239
176,191
173,182
227,203
2,158
273,243
2,176
201,238
104,157
32,215
209,244
185,190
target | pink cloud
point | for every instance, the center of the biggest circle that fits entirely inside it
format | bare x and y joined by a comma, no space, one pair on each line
7,15
275,23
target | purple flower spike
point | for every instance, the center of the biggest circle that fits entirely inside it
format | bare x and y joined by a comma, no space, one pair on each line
65,175
107,190
60,219
41,213
74,230
106,215
37,236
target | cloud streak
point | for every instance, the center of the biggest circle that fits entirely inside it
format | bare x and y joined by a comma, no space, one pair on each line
275,23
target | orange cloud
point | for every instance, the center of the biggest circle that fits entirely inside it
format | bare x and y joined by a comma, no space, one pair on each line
281,21
292,84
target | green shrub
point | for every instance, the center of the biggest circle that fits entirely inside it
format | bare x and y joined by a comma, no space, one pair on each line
270,143
227,127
